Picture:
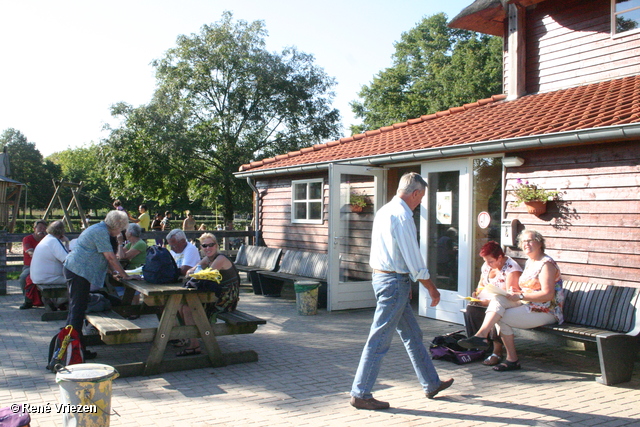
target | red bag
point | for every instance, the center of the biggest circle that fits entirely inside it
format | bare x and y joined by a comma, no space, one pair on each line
65,349
33,293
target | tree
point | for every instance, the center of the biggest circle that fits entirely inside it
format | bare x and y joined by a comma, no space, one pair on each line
28,167
83,164
434,68
222,100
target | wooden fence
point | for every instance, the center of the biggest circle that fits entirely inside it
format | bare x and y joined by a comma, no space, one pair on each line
229,241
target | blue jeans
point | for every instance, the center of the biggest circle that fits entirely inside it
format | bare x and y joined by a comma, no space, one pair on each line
393,311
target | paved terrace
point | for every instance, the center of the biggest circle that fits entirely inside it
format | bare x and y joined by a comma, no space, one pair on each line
304,376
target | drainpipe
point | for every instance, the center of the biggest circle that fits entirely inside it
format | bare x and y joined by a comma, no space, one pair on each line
257,209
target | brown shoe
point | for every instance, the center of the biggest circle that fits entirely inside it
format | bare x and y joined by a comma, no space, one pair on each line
370,404
443,386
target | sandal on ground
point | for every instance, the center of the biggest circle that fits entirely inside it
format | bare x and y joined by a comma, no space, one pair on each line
474,342
507,366
181,342
492,360
189,352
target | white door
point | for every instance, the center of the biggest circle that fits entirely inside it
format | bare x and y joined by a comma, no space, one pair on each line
349,276
444,236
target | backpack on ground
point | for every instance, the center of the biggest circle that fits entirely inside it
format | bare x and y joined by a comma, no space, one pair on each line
445,347
160,267
65,349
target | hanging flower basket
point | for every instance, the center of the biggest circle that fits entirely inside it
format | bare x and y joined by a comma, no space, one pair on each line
356,208
536,208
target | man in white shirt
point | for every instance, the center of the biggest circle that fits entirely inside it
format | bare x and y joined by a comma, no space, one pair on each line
396,261
185,253
48,256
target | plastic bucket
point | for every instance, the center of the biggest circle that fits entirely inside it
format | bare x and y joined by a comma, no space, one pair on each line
306,297
85,391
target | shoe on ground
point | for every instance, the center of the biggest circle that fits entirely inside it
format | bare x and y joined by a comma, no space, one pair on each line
443,386
26,306
370,404
89,355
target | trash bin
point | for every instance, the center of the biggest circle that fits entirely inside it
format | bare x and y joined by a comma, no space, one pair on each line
86,384
306,297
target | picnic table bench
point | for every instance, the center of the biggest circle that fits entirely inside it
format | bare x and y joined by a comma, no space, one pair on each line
53,291
158,324
252,259
297,266
607,316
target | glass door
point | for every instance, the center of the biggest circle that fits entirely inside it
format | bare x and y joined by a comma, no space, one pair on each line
355,194
444,237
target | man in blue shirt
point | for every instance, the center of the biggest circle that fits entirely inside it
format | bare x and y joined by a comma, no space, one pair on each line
396,261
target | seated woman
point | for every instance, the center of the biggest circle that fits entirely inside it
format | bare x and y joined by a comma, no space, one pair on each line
538,303
227,291
498,270
134,253
48,256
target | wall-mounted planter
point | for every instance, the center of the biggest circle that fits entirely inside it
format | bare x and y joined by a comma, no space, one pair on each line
536,208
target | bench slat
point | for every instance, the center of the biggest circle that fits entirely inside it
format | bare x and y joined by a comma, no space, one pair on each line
240,318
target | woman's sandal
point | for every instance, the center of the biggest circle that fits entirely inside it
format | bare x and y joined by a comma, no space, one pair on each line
181,342
189,352
507,366
492,360
474,342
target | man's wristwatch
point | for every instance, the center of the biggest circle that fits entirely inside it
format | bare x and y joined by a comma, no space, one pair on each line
521,296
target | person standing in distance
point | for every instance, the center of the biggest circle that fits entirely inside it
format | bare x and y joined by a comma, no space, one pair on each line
395,260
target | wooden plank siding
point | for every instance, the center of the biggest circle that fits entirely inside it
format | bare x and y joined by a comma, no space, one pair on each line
594,231
275,217
569,44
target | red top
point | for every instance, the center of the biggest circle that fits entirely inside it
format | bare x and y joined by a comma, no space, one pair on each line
28,242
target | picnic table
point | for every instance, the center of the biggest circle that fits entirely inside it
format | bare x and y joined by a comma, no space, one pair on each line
165,301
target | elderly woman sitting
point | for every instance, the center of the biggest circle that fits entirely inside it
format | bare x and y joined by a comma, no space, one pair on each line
538,303
134,253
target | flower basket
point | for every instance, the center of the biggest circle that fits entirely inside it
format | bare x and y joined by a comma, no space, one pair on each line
356,208
536,208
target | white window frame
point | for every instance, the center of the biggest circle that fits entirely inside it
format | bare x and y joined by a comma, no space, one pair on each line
308,201
614,15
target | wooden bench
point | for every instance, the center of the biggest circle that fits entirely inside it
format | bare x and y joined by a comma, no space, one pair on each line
53,291
116,329
252,259
608,316
297,266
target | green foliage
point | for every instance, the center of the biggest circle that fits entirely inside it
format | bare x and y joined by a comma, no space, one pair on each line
434,68
222,101
526,191
28,167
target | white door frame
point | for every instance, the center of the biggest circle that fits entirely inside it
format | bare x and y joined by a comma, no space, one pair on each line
450,305
347,295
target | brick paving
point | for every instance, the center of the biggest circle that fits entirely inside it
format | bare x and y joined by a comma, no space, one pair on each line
304,376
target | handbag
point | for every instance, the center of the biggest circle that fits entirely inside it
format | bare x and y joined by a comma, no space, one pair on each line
445,347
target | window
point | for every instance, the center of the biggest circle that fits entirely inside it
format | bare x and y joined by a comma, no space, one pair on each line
306,201
625,16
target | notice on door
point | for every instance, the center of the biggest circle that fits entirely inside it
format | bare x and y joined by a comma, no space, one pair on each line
444,207
484,219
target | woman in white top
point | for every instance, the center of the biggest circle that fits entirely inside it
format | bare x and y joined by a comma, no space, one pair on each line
498,270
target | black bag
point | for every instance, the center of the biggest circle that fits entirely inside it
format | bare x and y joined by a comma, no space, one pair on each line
160,267
445,347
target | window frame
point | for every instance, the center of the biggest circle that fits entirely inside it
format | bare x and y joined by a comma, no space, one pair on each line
308,201
614,15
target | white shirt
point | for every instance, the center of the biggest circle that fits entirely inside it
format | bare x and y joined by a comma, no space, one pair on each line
46,266
189,256
394,242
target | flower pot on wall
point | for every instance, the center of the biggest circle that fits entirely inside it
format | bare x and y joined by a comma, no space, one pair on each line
356,208
536,208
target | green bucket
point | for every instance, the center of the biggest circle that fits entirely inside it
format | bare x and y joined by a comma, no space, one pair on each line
306,297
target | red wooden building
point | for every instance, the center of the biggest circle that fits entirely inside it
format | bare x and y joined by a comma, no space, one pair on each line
568,120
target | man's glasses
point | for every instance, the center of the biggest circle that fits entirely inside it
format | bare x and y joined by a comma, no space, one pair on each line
208,245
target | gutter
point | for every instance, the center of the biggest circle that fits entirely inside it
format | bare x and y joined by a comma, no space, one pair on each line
591,135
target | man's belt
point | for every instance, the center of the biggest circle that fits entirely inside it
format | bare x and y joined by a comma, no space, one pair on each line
386,272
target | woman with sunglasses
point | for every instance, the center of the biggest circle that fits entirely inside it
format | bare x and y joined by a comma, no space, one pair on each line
538,303
227,290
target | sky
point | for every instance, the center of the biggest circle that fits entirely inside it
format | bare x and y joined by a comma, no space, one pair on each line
65,62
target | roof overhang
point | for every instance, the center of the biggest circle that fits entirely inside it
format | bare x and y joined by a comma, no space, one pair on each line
487,16
572,138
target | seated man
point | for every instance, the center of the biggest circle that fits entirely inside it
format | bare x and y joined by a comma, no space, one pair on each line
29,244
185,253
48,256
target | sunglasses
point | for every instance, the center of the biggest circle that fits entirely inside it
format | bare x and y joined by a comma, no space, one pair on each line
208,245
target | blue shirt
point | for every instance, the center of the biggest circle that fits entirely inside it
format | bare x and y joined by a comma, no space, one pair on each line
87,259
394,242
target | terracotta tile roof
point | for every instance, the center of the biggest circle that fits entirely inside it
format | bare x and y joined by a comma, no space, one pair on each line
609,103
